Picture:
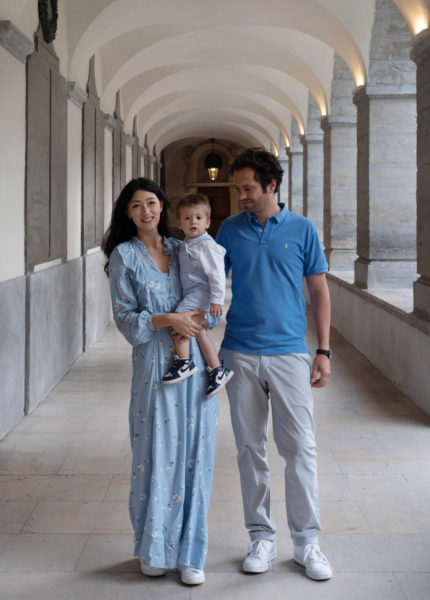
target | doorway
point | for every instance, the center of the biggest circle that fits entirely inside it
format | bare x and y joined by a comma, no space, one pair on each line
219,197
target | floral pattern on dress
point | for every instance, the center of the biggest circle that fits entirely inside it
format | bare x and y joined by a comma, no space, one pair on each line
172,428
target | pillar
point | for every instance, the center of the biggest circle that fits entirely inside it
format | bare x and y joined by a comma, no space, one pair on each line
386,207
295,153
313,167
340,164
283,190
421,56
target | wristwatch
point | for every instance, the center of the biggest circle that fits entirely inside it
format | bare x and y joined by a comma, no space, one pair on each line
325,352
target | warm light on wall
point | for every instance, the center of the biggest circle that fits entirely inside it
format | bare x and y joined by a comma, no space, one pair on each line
323,111
359,81
420,24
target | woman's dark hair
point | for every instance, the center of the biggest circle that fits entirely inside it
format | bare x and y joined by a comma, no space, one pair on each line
121,228
265,165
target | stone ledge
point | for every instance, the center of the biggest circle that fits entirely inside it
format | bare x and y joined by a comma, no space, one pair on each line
14,41
409,318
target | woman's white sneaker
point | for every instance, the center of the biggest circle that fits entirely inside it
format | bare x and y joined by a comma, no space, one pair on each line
190,575
150,571
316,564
260,554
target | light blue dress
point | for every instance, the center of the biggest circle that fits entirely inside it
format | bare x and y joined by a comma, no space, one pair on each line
172,427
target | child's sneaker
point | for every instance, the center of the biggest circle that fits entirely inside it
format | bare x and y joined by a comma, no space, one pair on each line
181,369
218,377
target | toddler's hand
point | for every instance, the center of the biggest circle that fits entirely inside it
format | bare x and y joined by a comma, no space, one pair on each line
216,310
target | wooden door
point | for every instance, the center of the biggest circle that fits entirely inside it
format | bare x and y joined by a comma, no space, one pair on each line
219,197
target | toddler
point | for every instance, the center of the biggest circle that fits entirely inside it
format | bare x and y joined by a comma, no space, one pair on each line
201,266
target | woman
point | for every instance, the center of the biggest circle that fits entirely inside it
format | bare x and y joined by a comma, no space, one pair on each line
172,428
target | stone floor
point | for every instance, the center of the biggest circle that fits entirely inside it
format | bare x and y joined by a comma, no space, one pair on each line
64,528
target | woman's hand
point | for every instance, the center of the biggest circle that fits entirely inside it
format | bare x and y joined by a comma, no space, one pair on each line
187,324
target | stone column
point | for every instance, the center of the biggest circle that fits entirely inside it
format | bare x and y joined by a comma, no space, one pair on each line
146,163
386,206
340,212
295,171
135,152
283,190
313,167
154,168
313,180
421,56
118,151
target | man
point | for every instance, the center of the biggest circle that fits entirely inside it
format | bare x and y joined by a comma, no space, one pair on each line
270,251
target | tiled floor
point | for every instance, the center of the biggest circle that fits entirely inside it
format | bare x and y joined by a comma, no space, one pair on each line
64,527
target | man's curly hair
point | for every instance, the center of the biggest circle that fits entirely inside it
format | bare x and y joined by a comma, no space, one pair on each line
265,165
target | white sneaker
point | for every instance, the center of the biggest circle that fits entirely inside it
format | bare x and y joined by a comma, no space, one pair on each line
316,564
190,575
260,554
150,571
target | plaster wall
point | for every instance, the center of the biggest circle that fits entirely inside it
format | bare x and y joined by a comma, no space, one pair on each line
98,311
108,178
60,43
74,180
128,163
12,167
12,353
397,343
22,13
54,327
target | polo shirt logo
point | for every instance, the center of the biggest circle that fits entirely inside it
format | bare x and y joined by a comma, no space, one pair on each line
286,245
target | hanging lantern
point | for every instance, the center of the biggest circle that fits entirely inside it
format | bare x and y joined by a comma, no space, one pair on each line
213,163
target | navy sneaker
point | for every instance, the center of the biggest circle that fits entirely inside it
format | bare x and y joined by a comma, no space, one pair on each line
181,369
218,377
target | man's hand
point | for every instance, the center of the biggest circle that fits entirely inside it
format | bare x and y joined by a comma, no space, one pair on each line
215,310
320,371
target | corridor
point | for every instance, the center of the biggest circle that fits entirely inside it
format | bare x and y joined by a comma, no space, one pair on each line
64,526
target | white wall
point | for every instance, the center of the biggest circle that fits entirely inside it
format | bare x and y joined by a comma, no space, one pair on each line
74,179
108,177
22,13
128,158
12,167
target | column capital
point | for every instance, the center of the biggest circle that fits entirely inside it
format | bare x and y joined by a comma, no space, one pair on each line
311,138
421,47
346,121
295,150
110,122
14,41
383,91
76,94
130,140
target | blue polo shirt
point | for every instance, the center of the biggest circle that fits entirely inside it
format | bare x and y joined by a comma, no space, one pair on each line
268,263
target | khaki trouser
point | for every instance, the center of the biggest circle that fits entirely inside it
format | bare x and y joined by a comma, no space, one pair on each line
285,380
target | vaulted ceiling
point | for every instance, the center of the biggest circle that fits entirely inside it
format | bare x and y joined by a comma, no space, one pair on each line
237,70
